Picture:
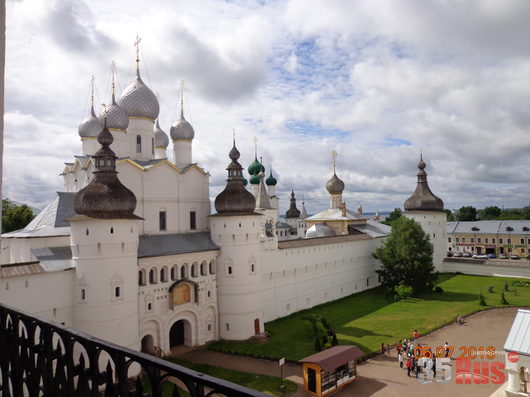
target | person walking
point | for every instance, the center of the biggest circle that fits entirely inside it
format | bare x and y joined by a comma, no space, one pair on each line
408,365
383,348
399,346
400,359
415,335
446,347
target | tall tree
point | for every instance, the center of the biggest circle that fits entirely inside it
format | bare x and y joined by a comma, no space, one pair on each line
450,216
392,216
406,257
468,213
490,213
15,216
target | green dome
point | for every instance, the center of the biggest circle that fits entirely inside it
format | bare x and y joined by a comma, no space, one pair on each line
245,182
271,181
255,168
254,179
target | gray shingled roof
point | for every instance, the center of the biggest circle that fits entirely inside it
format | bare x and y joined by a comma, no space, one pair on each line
172,244
373,228
519,337
53,259
51,221
489,227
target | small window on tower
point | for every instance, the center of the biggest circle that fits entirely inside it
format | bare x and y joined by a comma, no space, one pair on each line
162,220
83,294
193,220
229,271
138,144
153,146
117,292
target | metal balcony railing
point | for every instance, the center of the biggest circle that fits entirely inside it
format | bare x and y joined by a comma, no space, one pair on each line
41,358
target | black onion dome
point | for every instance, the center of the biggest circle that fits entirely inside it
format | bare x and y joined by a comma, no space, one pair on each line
335,185
423,199
292,212
105,197
235,198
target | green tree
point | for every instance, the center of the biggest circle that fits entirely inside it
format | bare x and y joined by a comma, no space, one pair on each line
468,213
392,216
450,215
490,213
14,216
406,257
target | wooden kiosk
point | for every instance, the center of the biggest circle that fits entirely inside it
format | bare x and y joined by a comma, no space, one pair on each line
331,369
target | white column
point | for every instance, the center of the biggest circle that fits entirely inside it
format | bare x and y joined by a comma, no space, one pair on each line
182,153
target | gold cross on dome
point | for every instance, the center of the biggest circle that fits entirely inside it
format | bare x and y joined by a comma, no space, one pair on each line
255,140
137,45
334,155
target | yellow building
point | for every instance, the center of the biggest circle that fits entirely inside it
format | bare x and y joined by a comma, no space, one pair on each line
489,237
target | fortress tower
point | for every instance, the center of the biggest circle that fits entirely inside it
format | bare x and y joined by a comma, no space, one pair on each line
428,210
236,228
104,243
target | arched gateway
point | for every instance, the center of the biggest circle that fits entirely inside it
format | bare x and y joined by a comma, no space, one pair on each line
180,333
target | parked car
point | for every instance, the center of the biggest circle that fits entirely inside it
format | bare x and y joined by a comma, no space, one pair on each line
458,255
514,257
467,255
449,254
502,256
493,256
528,257
480,256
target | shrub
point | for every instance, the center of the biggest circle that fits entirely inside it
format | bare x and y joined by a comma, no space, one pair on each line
325,323
327,345
481,300
403,291
490,288
438,289
324,340
503,300
318,347
506,287
334,341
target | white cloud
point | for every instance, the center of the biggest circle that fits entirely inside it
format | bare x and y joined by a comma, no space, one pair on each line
375,80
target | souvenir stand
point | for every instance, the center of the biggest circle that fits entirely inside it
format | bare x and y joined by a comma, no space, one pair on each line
331,369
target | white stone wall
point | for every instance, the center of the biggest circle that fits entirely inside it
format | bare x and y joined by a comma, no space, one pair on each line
238,275
144,128
182,153
19,249
105,290
488,268
299,278
49,295
434,224
156,310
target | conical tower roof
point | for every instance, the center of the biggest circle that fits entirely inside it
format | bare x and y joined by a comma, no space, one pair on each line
423,199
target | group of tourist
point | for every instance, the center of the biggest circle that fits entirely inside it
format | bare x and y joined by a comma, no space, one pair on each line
411,361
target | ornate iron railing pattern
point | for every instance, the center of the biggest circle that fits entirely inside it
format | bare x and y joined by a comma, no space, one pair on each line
41,358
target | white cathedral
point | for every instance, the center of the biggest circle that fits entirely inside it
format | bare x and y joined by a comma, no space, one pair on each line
130,252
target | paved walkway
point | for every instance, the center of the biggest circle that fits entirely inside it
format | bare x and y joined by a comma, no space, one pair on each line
381,376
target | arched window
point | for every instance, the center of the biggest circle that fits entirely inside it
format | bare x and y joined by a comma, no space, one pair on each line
141,278
184,271
203,269
138,144
173,273
163,275
152,276
194,270
117,292
212,267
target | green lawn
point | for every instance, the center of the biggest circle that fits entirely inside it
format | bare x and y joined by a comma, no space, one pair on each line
368,319
264,383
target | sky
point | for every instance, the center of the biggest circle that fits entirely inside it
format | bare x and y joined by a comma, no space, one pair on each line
378,81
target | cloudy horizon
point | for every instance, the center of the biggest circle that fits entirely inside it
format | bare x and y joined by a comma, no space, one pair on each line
377,81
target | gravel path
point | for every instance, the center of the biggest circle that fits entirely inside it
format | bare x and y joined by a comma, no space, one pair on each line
381,376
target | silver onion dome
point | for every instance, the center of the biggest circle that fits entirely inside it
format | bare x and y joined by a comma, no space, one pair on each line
181,130
335,185
89,127
161,139
138,100
116,116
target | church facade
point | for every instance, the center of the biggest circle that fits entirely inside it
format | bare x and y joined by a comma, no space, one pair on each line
130,251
